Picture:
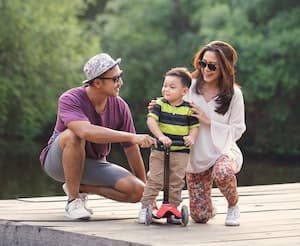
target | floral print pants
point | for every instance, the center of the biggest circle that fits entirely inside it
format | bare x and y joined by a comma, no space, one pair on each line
200,186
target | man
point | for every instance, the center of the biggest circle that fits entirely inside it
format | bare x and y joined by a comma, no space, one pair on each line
89,118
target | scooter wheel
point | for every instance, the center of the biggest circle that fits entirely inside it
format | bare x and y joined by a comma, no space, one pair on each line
184,215
148,220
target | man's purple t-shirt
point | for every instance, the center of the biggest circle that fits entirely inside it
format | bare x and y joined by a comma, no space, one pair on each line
75,105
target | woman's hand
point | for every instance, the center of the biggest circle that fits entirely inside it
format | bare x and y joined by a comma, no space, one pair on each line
188,140
151,104
200,115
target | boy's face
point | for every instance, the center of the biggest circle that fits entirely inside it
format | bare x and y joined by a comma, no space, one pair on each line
173,90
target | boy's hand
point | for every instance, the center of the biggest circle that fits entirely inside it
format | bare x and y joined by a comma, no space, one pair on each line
165,140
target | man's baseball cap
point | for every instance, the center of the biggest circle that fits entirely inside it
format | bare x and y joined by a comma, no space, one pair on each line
98,65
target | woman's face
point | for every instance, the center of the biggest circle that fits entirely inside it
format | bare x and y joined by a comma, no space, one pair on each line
208,64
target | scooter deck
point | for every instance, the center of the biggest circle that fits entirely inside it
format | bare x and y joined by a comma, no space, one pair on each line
165,211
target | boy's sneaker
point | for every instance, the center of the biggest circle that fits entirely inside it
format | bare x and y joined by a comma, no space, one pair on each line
142,216
233,216
76,210
83,197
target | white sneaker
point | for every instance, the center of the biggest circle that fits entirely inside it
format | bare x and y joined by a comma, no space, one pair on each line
142,216
76,210
214,211
233,216
83,197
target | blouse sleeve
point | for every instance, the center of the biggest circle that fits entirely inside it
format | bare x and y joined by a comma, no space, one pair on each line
225,134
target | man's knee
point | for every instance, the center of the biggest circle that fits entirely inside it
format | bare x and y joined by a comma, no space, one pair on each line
138,190
69,138
133,187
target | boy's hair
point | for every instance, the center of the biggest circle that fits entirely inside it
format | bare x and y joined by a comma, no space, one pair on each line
183,73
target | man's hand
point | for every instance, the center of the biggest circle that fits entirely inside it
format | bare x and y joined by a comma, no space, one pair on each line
144,140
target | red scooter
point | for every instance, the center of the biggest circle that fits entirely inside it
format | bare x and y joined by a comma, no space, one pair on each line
167,210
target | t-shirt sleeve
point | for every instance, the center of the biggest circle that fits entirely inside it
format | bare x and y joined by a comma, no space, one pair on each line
193,121
69,110
126,123
156,110
154,113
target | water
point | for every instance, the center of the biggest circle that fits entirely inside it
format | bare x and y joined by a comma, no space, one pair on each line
21,174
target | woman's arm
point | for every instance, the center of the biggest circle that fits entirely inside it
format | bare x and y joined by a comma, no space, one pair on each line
224,134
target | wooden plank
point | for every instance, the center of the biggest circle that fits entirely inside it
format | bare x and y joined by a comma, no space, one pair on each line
270,215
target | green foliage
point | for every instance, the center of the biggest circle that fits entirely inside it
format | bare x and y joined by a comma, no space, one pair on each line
42,48
270,77
152,37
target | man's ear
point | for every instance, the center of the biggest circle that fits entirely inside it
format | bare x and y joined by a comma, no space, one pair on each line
97,83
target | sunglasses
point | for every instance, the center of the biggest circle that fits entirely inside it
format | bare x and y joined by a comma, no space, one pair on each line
211,66
115,79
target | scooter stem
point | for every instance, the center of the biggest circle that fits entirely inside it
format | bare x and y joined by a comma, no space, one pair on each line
166,175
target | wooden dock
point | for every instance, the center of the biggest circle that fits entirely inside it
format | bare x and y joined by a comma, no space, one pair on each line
270,215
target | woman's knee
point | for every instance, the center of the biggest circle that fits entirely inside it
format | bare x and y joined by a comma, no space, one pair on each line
199,217
224,178
199,210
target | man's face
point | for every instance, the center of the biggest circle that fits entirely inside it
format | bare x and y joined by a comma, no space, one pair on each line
112,81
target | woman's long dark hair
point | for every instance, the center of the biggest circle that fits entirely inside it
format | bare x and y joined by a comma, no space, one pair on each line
227,58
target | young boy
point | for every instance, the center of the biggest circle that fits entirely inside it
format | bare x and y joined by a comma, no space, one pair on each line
169,120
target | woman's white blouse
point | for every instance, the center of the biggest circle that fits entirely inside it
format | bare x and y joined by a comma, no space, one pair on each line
220,138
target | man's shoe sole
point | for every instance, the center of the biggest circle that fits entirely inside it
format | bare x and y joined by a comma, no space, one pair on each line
77,218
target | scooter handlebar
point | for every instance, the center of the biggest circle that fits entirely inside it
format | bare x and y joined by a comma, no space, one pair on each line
174,143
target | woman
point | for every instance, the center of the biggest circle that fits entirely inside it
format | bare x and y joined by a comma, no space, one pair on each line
218,104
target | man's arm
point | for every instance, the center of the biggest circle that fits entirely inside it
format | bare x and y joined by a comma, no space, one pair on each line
98,134
136,162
